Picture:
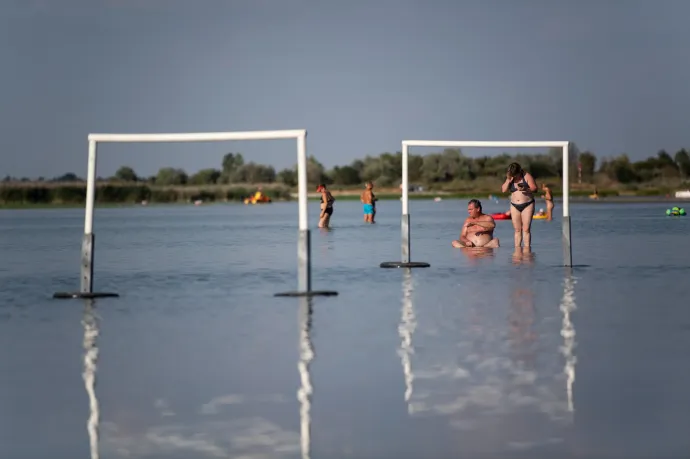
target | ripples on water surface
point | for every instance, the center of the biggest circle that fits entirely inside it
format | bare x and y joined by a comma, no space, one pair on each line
494,355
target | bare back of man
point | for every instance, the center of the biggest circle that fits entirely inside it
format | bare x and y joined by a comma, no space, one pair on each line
478,229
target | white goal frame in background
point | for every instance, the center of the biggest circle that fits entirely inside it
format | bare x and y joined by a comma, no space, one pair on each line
405,223
303,245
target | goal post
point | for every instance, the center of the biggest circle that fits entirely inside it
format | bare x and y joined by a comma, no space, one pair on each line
303,244
405,222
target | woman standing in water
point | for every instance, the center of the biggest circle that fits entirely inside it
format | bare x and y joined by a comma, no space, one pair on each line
522,186
548,197
327,201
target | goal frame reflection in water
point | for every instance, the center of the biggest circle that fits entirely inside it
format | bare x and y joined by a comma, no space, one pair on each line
409,324
90,322
91,326
306,389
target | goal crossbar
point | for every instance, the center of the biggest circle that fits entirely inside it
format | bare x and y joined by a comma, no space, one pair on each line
200,136
405,224
303,244
485,144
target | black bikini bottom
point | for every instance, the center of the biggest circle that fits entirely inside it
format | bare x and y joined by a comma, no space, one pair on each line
522,206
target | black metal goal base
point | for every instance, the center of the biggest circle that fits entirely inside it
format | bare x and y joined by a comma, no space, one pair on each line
84,295
402,264
309,293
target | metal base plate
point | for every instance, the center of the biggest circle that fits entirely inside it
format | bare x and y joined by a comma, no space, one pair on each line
309,293
85,295
402,264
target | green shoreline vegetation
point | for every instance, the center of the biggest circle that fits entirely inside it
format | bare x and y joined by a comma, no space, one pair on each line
449,174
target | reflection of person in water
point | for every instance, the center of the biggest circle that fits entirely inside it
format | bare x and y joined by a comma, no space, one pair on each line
523,255
521,315
478,252
521,319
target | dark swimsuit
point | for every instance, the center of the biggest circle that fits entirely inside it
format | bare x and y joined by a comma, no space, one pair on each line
524,205
329,206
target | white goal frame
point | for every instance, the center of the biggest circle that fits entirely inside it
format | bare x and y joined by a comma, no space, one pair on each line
303,246
405,224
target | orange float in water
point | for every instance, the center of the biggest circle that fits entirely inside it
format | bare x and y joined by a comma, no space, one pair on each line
258,198
501,216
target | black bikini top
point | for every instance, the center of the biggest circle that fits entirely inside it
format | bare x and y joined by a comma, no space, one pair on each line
329,199
512,187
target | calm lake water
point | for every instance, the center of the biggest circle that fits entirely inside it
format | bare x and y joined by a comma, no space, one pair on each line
497,356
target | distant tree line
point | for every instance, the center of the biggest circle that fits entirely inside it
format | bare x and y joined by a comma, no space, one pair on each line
447,167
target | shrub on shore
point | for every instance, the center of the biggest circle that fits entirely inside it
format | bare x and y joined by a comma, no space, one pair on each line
130,194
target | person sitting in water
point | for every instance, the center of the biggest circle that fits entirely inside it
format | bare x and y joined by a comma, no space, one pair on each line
327,201
478,229
369,202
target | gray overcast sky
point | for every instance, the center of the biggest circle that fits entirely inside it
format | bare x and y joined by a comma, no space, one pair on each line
359,75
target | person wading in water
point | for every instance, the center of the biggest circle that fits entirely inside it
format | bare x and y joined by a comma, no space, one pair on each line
327,201
522,186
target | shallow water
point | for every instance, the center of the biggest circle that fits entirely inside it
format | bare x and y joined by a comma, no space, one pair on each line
504,355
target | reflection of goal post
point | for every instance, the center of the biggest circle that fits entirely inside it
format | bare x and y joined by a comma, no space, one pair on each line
303,245
405,223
